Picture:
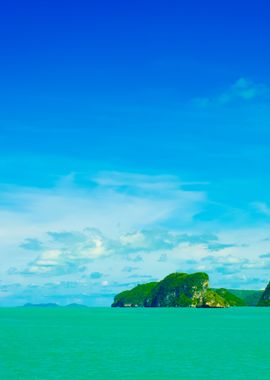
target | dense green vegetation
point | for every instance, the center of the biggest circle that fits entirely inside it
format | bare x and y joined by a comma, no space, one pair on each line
135,296
189,290
265,298
178,290
213,300
264,303
231,298
250,297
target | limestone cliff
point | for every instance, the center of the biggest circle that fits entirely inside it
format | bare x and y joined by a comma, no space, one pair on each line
177,290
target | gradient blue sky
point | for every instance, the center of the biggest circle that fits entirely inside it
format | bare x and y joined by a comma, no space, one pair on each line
134,142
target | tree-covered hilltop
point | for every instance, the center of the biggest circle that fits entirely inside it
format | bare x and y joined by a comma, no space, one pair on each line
265,298
177,290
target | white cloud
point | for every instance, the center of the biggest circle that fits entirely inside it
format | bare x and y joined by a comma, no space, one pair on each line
157,251
243,90
114,203
64,262
45,236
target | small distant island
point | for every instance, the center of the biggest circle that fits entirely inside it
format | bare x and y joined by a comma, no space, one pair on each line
49,305
189,290
53,305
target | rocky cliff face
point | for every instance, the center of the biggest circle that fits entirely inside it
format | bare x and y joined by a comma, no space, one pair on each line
179,290
175,290
214,300
265,298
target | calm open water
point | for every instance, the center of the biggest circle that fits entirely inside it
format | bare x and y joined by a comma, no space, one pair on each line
100,343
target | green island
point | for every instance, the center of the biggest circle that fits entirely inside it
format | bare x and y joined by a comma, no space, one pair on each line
189,290
265,298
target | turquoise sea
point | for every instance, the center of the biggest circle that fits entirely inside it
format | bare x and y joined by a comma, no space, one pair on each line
104,343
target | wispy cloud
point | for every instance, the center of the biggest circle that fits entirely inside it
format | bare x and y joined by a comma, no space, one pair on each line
41,228
262,208
105,203
243,90
131,236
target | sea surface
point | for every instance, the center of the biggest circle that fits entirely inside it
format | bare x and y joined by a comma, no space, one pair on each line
104,343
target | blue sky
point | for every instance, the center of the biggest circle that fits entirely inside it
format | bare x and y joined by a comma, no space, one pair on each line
134,142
